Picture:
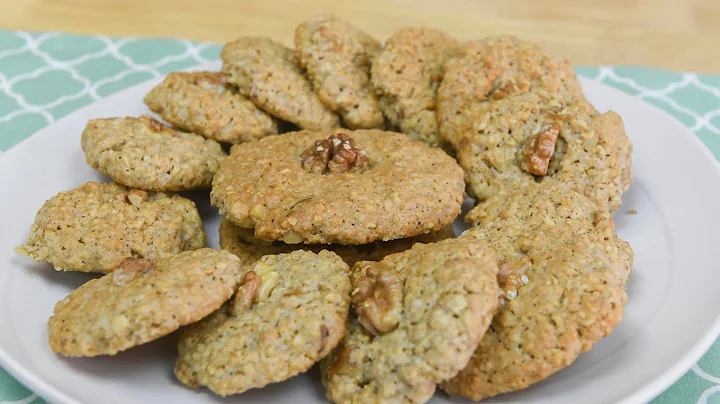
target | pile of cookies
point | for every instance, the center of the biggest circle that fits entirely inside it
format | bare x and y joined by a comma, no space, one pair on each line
349,164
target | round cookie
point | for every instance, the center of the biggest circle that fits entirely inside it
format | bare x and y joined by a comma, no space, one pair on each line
342,187
241,242
337,57
204,103
145,154
141,301
541,137
289,313
407,74
96,226
492,69
562,278
420,315
268,74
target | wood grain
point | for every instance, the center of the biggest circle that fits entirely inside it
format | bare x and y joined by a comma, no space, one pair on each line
671,34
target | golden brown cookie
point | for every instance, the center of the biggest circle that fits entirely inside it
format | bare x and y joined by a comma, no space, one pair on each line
419,317
341,187
562,279
268,74
94,227
206,104
141,301
546,138
241,242
407,74
492,69
289,313
145,154
337,57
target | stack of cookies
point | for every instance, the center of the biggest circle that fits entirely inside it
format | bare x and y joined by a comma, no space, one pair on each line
348,165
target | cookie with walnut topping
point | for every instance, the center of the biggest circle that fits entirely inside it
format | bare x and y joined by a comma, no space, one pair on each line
547,138
492,69
94,227
289,312
407,74
419,317
241,242
268,74
562,278
206,104
341,187
337,57
145,154
141,301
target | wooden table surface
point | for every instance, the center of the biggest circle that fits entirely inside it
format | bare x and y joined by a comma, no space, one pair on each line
671,34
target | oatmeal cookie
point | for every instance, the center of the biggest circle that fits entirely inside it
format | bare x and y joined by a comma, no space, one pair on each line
206,104
337,57
289,313
96,226
241,242
145,154
141,301
420,315
407,74
562,279
268,74
342,187
492,69
547,138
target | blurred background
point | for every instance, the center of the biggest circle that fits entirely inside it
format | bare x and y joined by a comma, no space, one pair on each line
671,34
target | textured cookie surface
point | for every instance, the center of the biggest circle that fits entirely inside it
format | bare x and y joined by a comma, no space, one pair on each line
441,300
268,74
492,69
141,301
289,313
407,74
145,154
406,189
241,242
94,227
562,278
586,151
206,104
337,57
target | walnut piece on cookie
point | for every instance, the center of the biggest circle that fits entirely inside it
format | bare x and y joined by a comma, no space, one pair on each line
562,273
407,189
268,73
96,226
289,313
547,138
337,57
492,69
420,315
206,104
241,242
141,301
145,154
334,155
407,74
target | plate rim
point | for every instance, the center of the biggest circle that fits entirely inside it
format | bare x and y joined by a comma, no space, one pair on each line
42,388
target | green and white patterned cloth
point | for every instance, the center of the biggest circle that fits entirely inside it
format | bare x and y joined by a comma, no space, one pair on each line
46,76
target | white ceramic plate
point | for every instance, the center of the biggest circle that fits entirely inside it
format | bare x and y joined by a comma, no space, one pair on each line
671,317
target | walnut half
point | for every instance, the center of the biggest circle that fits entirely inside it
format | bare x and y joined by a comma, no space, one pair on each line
378,297
334,155
511,276
246,294
539,149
